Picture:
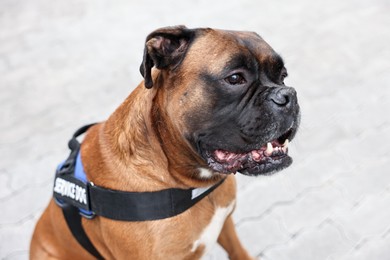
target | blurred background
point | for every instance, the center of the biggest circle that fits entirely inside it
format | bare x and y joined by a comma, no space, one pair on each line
64,64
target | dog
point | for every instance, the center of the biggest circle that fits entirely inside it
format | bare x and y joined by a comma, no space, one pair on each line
212,103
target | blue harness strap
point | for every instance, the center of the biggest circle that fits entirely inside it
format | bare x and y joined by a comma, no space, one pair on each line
78,197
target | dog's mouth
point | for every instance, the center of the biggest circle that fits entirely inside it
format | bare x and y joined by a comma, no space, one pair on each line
269,158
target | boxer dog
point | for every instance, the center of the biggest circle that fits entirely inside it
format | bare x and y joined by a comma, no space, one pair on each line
212,103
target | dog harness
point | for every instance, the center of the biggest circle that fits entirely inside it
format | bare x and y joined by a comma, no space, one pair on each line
79,197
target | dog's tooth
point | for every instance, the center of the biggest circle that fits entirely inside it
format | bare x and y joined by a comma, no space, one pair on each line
284,148
269,150
286,143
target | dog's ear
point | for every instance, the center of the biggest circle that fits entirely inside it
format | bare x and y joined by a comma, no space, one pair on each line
165,48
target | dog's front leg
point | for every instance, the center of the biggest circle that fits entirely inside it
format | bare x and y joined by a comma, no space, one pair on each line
228,239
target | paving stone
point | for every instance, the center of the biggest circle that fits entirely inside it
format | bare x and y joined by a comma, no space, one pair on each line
260,196
216,254
368,172
375,248
314,168
323,242
23,203
311,209
5,190
258,234
15,238
370,218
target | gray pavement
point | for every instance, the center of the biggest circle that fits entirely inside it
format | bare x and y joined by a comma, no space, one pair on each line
67,63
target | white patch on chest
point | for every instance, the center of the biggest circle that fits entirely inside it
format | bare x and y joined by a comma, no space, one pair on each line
210,234
205,173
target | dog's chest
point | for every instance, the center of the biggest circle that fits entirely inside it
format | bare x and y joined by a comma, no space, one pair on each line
209,235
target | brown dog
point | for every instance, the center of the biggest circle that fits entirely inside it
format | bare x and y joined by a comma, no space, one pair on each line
214,104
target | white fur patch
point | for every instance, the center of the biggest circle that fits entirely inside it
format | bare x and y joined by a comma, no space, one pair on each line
210,234
205,173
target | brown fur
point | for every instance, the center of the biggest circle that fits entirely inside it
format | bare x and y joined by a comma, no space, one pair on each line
141,148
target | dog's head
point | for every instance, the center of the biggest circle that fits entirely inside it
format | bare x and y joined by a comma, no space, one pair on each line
225,96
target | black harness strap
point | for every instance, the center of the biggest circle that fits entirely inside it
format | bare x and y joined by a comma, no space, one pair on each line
78,197
73,219
143,206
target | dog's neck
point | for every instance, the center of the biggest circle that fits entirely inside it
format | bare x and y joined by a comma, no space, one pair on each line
141,152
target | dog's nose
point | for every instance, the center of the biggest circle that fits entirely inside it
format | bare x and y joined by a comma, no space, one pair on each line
283,96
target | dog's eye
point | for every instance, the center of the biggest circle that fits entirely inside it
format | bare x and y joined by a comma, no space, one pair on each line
283,75
235,79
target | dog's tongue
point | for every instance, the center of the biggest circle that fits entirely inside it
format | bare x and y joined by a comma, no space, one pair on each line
231,161
225,156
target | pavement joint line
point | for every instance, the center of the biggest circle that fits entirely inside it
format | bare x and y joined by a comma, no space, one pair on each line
342,189
386,233
8,185
338,227
23,220
365,240
27,187
302,231
282,229
362,200
15,253
277,204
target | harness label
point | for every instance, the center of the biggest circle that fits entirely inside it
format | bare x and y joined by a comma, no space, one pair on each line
70,190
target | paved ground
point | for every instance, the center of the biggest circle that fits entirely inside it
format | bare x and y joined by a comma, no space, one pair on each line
67,63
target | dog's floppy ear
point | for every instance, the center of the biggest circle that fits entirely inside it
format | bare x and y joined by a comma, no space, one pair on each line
165,48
